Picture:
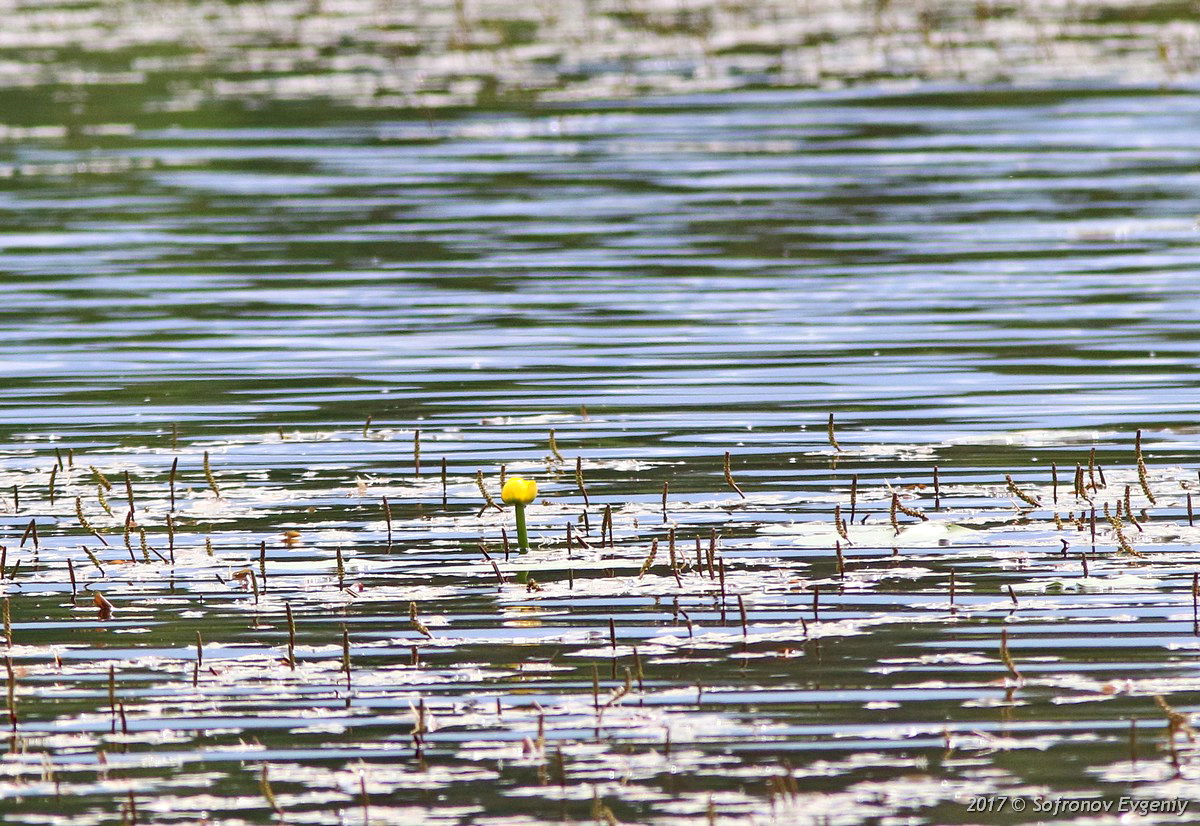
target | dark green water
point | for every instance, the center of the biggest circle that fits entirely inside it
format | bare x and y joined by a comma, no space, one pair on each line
243,229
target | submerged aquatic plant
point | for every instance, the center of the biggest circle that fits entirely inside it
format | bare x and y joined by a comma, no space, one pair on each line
777,554
519,492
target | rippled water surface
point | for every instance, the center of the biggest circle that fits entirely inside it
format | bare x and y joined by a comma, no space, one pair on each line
255,356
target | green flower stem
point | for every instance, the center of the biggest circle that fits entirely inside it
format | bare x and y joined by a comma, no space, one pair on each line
522,535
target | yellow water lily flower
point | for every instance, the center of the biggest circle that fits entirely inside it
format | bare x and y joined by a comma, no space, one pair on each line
518,491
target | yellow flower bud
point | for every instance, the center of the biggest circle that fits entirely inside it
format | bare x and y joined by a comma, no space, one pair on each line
518,491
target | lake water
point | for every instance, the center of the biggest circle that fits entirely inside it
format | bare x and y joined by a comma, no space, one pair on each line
225,247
